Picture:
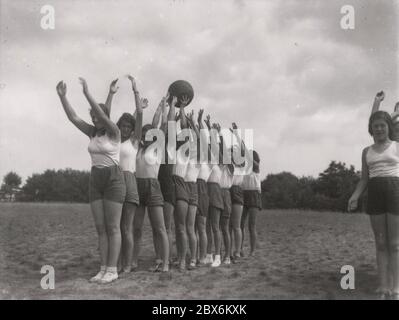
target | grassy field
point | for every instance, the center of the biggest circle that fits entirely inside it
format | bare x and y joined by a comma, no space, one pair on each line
299,257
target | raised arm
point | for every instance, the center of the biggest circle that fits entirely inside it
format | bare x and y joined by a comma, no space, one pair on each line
113,88
111,127
379,97
243,146
157,116
361,186
82,125
138,112
183,118
164,120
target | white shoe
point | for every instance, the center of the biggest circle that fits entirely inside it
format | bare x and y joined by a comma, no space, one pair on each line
208,259
108,277
97,277
227,261
216,261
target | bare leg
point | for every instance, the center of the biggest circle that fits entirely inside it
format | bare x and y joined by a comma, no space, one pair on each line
113,213
235,221
97,210
158,225
242,225
379,226
253,212
168,209
215,223
393,238
209,234
181,211
224,226
137,234
202,237
190,227
128,211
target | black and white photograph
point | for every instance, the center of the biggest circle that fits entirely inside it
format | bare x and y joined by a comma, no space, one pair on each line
187,150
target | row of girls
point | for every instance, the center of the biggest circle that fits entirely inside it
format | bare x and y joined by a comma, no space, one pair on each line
209,202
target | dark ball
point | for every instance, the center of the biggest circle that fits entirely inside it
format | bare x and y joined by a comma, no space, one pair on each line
179,89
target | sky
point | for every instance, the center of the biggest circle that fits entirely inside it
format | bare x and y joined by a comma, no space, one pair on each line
285,69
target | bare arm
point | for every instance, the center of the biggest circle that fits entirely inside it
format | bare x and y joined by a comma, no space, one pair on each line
111,127
377,101
243,146
361,186
113,88
82,125
138,112
183,117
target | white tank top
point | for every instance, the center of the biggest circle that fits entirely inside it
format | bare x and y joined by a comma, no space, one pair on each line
226,179
205,171
128,153
180,167
103,151
384,164
239,174
216,174
251,182
147,163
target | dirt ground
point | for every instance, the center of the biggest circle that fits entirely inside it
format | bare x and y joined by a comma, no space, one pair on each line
300,255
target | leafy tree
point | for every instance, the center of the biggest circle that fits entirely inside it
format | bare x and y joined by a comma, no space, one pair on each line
10,181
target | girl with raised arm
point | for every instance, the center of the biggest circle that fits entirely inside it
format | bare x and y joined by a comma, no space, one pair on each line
237,199
107,187
380,173
130,127
203,197
190,178
148,161
181,192
252,194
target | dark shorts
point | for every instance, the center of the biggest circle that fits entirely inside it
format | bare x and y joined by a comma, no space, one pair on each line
181,188
166,182
192,193
203,198
237,195
132,194
149,192
252,199
226,203
107,183
383,195
215,195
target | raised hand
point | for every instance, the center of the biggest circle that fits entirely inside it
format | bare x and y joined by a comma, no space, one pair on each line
84,84
208,121
133,81
113,88
380,96
200,114
61,89
184,101
144,103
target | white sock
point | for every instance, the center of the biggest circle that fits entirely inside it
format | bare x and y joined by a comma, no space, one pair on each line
112,269
217,257
103,268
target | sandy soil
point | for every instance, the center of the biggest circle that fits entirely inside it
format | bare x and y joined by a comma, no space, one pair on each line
299,257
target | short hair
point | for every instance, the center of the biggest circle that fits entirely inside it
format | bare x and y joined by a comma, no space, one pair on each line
127,117
381,115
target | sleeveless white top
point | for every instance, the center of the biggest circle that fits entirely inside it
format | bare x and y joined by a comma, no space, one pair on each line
180,167
239,174
251,182
205,171
128,153
147,163
385,164
103,151
216,174
226,179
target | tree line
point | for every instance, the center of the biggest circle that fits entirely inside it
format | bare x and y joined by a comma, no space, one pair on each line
330,191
